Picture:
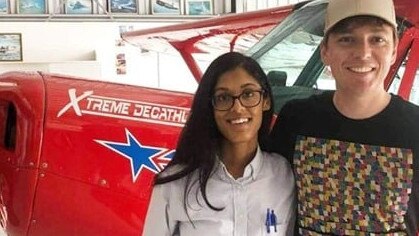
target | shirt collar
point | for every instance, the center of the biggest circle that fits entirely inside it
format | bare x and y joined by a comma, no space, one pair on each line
251,170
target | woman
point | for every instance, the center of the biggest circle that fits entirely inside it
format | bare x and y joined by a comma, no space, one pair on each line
220,181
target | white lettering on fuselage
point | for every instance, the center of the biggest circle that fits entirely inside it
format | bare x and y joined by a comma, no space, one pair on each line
109,106
160,113
91,104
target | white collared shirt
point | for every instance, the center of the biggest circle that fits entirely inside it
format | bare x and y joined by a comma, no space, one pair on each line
267,183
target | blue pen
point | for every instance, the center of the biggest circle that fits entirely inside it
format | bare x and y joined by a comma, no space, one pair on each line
273,219
268,221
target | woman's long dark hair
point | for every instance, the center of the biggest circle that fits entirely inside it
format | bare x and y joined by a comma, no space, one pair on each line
199,140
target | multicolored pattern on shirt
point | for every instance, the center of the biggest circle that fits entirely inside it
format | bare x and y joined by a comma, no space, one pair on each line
348,188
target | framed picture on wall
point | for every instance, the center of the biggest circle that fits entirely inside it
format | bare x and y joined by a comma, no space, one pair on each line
121,64
4,6
31,6
123,6
78,7
10,47
166,6
199,7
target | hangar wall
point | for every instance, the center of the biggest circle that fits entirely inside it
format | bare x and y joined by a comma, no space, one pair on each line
90,50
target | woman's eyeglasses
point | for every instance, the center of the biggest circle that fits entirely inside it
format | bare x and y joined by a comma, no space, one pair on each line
248,98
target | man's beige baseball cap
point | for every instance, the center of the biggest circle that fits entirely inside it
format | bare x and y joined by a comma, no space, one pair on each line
338,10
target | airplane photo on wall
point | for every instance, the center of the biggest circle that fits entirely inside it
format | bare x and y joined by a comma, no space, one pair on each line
4,6
10,47
31,6
79,7
123,6
166,6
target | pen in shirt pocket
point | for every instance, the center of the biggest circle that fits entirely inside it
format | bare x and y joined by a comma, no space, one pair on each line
271,221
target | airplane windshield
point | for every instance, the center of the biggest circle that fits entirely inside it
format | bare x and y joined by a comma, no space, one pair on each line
290,54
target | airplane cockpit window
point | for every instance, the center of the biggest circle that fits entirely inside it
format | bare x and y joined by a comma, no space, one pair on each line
7,125
292,49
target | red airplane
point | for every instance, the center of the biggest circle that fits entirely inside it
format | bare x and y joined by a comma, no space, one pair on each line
78,156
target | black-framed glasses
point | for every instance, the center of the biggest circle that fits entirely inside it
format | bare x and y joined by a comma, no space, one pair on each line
248,98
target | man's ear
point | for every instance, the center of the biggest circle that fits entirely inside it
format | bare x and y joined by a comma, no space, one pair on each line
323,53
266,104
394,54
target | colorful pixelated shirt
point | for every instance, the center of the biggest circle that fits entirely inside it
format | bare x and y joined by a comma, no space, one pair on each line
347,188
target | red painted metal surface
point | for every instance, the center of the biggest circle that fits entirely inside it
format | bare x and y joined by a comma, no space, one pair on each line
403,48
411,68
19,166
407,10
78,185
96,183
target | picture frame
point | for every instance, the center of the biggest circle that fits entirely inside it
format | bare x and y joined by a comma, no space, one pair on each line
11,47
123,6
166,6
4,6
79,7
199,7
31,6
121,64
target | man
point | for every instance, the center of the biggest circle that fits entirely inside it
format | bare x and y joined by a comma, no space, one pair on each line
355,151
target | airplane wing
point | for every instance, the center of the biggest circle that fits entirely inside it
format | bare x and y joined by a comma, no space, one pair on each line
216,35
232,32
